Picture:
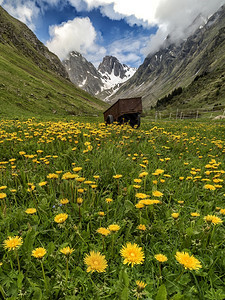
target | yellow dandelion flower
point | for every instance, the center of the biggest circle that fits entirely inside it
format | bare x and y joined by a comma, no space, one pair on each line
95,262
22,152
108,200
64,201
180,202
114,227
213,219
60,218
139,205
3,195
137,180
141,227
67,251
117,176
209,187
81,191
140,286
3,187
43,183
80,179
222,211
31,211
79,201
189,262
175,215
101,213
141,195
39,252
77,169
143,174
161,257
157,194
132,254
136,186
103,231
52,176
13,243
195,214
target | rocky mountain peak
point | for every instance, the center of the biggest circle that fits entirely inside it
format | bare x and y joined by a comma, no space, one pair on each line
111,65
104,80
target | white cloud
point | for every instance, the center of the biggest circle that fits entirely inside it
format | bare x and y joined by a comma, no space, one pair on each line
172,17
177,18
77,34
25,11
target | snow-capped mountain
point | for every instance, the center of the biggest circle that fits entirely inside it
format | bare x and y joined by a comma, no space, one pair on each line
101,82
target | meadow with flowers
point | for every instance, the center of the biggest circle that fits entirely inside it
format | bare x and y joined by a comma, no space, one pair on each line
90,211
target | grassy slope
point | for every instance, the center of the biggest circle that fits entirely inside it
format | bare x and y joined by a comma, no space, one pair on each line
29,80
26,90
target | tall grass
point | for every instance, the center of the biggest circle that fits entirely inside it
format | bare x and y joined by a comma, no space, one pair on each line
182,160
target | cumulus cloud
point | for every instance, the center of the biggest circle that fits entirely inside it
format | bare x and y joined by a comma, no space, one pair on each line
172,17
179,19
25,11
77,34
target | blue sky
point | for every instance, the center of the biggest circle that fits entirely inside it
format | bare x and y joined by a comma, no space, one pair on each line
127,29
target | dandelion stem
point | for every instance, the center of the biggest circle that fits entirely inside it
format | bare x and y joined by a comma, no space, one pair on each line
18,261
212,234
67,271
43,272
160,272
182,272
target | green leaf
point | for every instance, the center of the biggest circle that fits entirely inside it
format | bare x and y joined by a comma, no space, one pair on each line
189,231
29,242
51,248
37,295
128,206
125,294
20,280
162,293
123,277
177,297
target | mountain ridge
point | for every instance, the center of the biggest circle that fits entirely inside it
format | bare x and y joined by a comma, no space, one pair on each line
177,65
101,81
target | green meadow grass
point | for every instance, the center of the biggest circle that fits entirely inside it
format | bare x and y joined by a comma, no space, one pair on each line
27,91
182,160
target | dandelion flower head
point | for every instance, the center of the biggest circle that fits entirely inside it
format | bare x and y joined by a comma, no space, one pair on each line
30,211
39,252
95,262
161,257
132,254
189,262
60,218
13,243
67,251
